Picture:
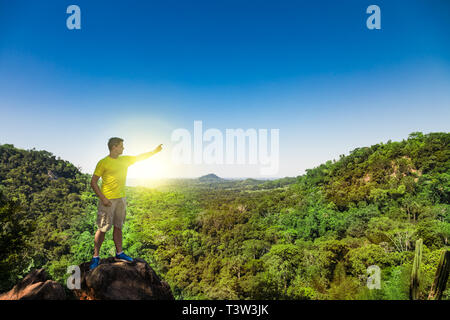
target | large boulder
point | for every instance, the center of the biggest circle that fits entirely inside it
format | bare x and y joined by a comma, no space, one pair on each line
111,280
118,280
35,286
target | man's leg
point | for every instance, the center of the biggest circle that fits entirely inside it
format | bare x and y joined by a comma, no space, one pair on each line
98,240
119,219
104,222
117,237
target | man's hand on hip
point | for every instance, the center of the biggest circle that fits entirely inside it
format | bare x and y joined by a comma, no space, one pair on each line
106,202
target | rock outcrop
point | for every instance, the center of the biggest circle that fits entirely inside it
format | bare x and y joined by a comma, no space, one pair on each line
118,280
111,280
36,286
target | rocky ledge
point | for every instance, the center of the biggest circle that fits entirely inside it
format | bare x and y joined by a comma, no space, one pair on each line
111,280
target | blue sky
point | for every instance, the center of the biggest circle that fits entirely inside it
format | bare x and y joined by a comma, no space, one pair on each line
141,69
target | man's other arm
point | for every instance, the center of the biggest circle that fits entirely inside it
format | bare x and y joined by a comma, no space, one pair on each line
98,192
147,155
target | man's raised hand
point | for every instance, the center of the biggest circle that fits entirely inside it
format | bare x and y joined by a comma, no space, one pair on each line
149,154
158,149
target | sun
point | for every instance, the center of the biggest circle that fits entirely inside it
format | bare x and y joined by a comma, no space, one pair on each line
149,169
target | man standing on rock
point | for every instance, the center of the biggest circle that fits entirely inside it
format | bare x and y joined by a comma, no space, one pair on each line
112,201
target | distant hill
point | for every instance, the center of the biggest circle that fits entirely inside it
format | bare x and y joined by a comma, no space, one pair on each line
387,171
210,178
26,173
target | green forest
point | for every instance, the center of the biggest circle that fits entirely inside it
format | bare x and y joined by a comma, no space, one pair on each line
306,237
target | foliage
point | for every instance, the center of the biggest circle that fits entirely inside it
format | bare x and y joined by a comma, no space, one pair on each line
309,237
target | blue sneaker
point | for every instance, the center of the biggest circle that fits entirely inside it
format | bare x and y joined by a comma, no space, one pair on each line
124,257
94,263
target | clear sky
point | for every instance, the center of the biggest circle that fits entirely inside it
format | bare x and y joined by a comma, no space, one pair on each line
141,69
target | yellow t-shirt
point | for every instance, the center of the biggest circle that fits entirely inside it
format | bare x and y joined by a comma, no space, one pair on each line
114,175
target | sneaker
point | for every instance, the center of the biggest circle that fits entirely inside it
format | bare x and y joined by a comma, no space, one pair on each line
94,263
123,257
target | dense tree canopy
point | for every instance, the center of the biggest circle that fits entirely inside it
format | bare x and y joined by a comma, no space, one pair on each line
309,237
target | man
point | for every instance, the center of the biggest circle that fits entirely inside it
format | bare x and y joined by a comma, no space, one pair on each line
112,202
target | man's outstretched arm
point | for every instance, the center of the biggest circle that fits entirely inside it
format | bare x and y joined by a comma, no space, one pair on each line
147,155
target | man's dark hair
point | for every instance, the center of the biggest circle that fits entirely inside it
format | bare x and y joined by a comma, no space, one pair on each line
114,142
